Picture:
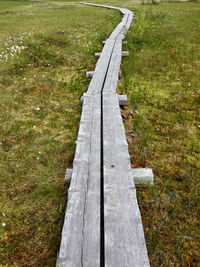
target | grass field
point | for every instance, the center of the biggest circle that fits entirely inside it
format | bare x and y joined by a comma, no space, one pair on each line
45,50
44,53
163,126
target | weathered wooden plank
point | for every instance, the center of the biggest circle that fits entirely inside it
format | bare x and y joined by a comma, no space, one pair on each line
97,55
143,176
89,74
103,62
124,42
97,81
124,237
68,175
80,244
122,102
70,253
125,53
91,230
114,67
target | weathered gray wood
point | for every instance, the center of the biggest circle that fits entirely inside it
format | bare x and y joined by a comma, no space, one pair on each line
97,81
112,74
71,247
143,176
91,230
97,55
89,74
122,102
68,175
125,53
124,237
124,42
119,74
80,245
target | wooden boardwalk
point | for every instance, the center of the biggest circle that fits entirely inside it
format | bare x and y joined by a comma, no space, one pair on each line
102,224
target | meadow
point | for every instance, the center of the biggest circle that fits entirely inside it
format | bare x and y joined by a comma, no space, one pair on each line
161,78
45,50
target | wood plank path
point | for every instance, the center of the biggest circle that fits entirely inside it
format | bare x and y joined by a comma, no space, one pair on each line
102,224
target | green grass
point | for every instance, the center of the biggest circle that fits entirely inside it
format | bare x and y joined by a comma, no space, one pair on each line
163,126
45,51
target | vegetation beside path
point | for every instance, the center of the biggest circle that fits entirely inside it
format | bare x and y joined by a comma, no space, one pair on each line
45,50
163,126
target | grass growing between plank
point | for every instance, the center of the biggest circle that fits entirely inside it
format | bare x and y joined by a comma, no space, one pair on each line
163,126
45,51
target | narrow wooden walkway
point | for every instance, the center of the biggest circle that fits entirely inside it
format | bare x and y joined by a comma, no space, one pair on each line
102,224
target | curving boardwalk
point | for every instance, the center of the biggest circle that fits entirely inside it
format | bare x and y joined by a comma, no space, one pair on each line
102,224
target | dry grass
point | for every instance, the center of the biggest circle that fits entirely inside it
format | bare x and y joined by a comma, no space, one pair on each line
43,63
163,127
42,77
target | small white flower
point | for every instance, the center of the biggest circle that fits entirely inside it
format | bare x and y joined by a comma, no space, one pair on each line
3,224
38,109
24,79
4,215
34,126
40,152
38,158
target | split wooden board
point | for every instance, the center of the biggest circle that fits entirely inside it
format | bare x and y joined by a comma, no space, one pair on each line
103,225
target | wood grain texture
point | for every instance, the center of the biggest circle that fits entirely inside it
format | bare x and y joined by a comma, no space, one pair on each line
80,245
91,229
143,177
124,237
122,102
114,67
70,253
123,232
